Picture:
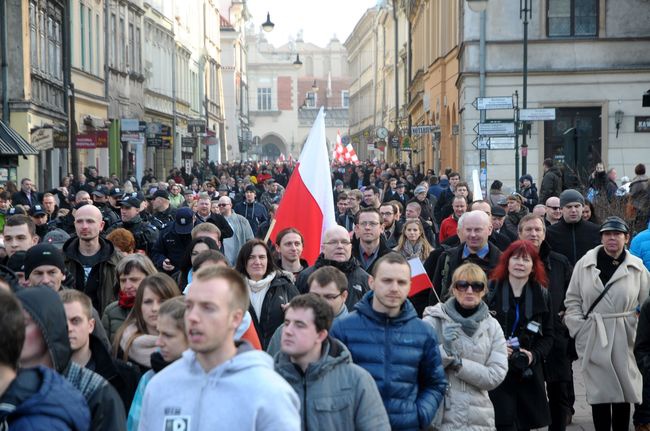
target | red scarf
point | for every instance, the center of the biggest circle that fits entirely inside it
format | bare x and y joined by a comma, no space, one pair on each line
125,301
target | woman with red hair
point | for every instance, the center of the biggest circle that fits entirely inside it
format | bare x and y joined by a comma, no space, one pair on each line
521,304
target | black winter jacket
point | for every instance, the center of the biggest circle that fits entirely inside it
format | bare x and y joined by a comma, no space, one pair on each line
357,278
573,240
281,291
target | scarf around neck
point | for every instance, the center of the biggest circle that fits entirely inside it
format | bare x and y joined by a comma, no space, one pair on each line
469,324
411,250
257,286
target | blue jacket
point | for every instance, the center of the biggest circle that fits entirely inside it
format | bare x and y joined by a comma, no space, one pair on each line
255,213
402,356
640,247
40,399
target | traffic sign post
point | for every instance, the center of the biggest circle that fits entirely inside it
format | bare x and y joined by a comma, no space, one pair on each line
492,103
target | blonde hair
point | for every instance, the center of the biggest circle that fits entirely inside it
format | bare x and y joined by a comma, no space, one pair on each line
426,247
469,272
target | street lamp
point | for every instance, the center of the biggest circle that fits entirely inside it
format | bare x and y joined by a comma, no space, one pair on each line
297,63
268,25
618,120
525,12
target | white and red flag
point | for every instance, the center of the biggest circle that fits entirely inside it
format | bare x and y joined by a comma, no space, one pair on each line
339,149
419,279
351,155
308,202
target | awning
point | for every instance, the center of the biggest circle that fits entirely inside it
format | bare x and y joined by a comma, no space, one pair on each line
12,144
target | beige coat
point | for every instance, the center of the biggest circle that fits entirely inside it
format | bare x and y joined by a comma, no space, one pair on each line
485,364
605,340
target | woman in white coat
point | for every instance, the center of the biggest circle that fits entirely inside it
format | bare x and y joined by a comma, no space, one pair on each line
607,286
473,351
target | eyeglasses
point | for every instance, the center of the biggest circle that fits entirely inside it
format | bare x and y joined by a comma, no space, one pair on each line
369,223
330,297
343,242
386,214
223,205
554,208
462,285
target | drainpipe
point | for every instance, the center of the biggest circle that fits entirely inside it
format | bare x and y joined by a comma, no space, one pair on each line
5,65
482,60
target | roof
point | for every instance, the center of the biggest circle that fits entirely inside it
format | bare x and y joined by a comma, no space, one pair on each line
12,144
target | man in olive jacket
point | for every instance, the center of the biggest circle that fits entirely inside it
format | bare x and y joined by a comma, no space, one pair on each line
335,393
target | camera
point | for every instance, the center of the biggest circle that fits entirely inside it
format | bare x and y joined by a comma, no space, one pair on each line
519,360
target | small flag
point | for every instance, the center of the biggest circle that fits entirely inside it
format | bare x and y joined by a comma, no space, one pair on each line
351,155
419,279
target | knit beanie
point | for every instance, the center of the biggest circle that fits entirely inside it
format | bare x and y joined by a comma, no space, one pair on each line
43,254
570,196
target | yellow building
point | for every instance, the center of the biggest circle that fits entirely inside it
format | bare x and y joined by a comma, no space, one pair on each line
90,86
433,96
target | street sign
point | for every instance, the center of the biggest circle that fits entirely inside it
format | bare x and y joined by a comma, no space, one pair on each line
196,126
422,130
188,141
502,143
483,143
490,103
545,114
394,141
496,129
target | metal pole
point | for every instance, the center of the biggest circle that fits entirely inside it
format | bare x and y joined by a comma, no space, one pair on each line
517,141
5,64
525,11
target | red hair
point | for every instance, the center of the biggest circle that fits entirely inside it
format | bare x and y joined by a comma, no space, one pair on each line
521,248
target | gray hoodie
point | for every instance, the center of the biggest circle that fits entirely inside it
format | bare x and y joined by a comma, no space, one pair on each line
244,393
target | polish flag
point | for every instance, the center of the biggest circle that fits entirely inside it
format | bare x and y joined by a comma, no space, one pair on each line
308,202
419,278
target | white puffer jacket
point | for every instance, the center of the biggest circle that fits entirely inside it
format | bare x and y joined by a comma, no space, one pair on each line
485,364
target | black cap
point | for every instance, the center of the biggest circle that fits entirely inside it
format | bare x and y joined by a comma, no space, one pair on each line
15,211
116,192
161,194
37,210
614,224
101,191
130,201
498,211
184,221
251,188
17,261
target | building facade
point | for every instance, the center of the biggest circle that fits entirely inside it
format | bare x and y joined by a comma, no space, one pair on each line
588,60
285,97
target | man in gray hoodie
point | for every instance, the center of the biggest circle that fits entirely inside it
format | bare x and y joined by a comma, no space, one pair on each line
218,384
335,393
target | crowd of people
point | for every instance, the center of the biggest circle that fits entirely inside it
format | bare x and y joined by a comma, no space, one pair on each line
162,304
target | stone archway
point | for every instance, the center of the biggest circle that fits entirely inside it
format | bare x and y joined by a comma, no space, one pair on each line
271,146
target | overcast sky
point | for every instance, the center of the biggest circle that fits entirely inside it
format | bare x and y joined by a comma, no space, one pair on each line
318,19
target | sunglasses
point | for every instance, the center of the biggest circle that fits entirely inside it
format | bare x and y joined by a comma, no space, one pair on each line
462,285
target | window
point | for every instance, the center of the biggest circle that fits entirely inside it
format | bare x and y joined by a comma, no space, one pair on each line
264,99
131,58
33,33
82,36
345,99
90,41
311,100
572,18
97,29
137,65
113,48
122,45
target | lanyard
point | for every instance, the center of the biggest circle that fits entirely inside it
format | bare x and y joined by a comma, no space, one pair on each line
514,326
